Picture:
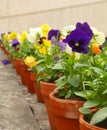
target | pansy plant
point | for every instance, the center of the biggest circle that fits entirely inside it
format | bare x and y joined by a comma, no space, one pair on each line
53,55
79,69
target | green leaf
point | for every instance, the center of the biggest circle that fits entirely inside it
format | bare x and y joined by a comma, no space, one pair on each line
99,116
68,94
74,81
97,70
40,61
105,92
60,84
61,93
91,103
40,69
62,78
82,94
87,94
77,65
85,110
58,66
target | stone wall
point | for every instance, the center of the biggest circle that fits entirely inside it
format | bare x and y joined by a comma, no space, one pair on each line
18,15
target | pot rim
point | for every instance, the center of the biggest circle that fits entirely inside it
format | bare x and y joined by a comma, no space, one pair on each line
91,127
63,100
44,82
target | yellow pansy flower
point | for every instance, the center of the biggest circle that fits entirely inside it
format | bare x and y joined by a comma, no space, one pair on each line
23,36
37,46
13,35
30,61
5,37
47,43
45,29
43,50
24,33
22,39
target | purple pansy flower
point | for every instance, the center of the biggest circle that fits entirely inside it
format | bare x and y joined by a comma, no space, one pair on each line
78,41
53,33
15,43
86,28
5,61
62,45
53,40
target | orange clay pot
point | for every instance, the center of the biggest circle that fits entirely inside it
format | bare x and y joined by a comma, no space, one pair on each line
7,52
18,63
23,69
37,88
33,77
46,89
13,62
29,82
66,112
86,126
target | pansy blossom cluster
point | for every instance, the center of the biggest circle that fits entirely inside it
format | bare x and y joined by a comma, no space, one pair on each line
83,38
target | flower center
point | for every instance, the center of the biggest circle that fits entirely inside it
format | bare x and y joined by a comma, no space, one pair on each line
76,44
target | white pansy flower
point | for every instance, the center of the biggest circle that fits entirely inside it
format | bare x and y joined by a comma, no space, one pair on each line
34,33
94,30
99,37
66,30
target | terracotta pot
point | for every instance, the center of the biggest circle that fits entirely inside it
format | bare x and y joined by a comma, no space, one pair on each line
1,44
66,112
46,89
7,52
4,48
23,68
29,82
13,62
17,64
26,78
38,93
86,126
33,77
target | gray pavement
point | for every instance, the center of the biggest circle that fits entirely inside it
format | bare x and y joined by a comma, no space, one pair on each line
19,110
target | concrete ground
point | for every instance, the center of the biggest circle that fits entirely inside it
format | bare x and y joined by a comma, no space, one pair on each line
19,110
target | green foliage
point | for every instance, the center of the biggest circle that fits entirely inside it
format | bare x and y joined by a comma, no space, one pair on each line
99,116
49,68
25,49
97,96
